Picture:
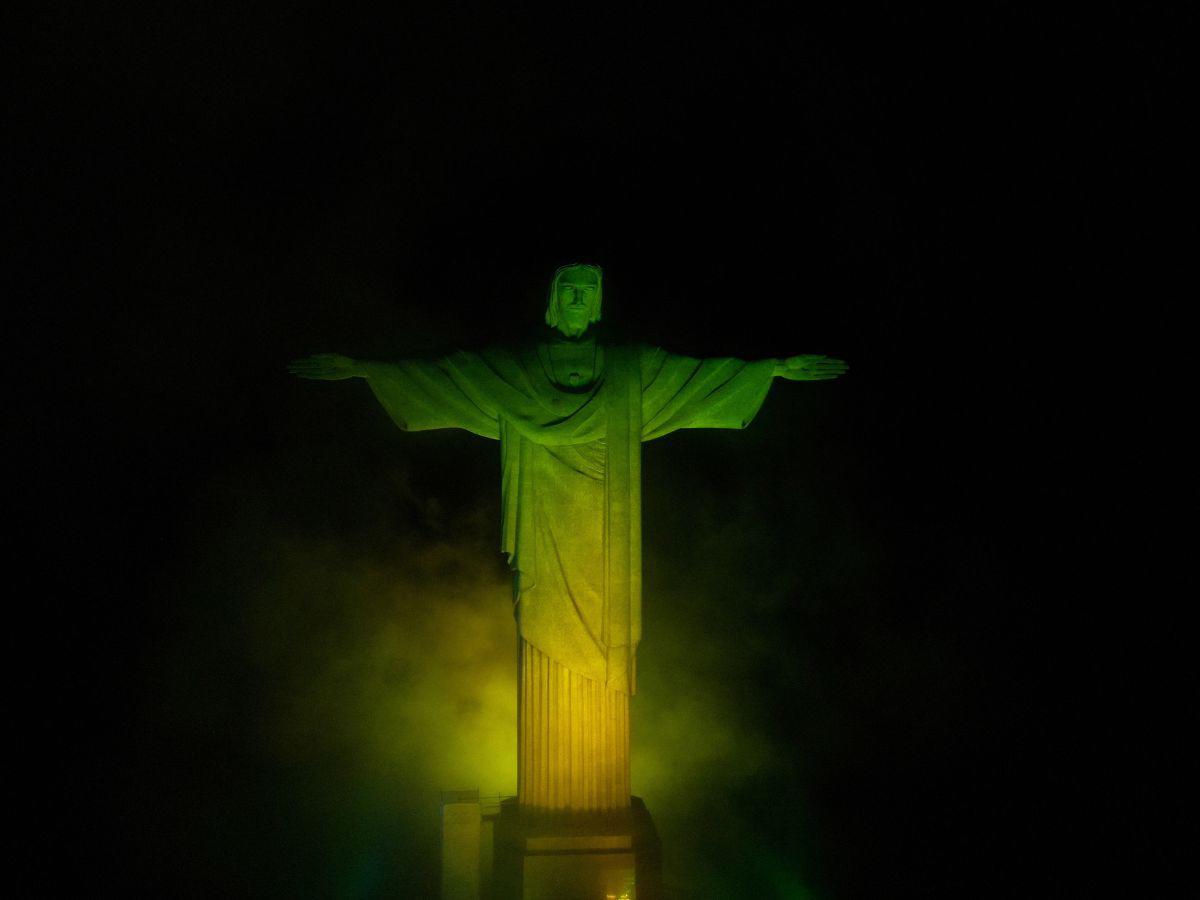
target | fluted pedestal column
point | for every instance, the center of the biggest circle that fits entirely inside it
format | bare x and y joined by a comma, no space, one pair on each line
573,739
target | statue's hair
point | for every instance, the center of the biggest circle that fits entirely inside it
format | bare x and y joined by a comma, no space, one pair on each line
552,307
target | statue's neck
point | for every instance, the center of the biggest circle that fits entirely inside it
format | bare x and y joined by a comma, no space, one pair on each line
573,363
588,334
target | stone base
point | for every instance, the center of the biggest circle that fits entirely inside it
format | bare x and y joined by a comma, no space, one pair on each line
462,827
576,856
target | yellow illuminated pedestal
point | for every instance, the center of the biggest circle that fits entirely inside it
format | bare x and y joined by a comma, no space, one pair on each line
576,856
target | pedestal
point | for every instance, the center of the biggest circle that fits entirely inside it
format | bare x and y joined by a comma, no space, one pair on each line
462,824
576,856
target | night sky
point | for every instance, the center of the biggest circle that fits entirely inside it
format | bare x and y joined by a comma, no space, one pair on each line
265,627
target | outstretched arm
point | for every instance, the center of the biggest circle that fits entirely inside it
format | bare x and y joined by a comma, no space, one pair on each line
418,394
682,392
810,367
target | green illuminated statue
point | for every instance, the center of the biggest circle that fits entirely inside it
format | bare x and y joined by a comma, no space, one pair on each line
570,413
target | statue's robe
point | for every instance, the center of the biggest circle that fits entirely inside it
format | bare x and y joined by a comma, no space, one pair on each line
571,506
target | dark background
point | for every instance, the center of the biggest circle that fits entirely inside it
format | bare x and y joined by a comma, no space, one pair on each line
949,199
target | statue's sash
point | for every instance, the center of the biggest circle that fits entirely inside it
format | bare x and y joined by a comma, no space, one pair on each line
622,615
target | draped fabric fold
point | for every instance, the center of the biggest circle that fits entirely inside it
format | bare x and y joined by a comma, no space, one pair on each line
571,482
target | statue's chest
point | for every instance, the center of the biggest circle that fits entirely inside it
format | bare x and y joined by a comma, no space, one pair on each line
573,366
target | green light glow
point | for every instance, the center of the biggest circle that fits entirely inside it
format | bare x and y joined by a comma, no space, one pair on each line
413,677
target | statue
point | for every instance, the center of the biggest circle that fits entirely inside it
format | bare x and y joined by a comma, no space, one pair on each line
570,413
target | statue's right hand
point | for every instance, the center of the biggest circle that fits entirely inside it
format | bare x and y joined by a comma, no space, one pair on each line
326,367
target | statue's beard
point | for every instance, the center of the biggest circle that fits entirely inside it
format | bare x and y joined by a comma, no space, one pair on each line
572,325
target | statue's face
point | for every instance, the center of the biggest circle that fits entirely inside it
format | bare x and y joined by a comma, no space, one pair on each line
576,299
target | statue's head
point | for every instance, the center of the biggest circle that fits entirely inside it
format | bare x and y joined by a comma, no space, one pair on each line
574,301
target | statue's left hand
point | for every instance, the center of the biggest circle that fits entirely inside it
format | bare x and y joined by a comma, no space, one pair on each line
326,367
810,367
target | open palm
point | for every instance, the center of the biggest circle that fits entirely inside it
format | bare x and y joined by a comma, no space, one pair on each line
811,367
326,367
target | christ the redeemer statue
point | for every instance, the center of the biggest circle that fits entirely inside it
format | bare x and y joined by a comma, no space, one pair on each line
570,413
